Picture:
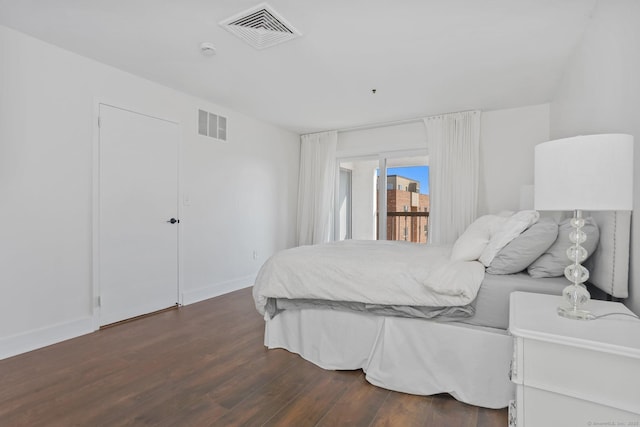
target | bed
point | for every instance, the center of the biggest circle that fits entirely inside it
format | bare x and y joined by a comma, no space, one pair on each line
465,352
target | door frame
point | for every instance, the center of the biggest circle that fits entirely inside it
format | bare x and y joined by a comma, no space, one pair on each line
95,207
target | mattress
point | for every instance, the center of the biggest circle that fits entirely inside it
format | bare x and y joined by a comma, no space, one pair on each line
489,309
492,303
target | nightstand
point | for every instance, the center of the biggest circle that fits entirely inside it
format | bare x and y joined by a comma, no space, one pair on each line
573,372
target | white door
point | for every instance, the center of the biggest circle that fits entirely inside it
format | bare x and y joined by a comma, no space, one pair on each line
138,198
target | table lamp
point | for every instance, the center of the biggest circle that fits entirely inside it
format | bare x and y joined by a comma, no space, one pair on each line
593,172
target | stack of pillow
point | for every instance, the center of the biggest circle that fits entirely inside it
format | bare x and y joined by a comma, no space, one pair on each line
509,243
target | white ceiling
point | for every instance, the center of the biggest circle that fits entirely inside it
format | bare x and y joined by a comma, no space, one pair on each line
424,57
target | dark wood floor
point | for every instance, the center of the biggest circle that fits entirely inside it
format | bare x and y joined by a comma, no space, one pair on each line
204,365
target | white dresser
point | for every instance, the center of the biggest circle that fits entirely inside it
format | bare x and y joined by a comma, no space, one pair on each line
571,372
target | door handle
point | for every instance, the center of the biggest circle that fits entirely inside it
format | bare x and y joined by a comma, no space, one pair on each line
173,220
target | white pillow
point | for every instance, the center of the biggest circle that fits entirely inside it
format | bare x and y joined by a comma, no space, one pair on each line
510,229
475,238
526,248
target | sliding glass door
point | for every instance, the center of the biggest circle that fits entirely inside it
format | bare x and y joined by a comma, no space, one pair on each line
397,182
403,197
403,210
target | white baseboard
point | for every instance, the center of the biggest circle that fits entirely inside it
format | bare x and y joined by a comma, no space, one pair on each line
38,338
216,289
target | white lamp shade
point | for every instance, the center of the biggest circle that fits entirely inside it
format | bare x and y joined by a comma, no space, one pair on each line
593,172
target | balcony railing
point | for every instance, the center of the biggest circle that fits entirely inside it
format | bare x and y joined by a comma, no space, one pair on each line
408,226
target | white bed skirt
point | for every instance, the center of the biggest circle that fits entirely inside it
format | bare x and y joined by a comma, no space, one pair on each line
408,355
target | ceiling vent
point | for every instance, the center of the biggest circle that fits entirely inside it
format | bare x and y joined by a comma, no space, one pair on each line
261,27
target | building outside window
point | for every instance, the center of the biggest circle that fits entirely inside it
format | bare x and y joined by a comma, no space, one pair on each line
407,210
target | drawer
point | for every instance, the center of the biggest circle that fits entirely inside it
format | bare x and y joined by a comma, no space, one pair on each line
594,376
544,408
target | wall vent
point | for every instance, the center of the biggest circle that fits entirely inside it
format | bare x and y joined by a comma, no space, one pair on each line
212,125
261,27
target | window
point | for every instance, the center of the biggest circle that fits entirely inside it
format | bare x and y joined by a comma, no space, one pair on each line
399,221
374,185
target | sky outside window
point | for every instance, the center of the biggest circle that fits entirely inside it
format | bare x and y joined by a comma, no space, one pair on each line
416,173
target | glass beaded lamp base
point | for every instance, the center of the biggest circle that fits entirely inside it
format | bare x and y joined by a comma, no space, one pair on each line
576,295
575,314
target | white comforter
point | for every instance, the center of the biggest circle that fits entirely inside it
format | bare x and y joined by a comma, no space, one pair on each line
375,272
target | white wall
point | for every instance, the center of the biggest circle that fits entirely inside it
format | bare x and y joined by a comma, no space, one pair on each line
242,193
600,93
507,138
408,136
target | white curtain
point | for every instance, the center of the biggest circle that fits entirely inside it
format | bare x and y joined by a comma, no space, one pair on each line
453,144
316,187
